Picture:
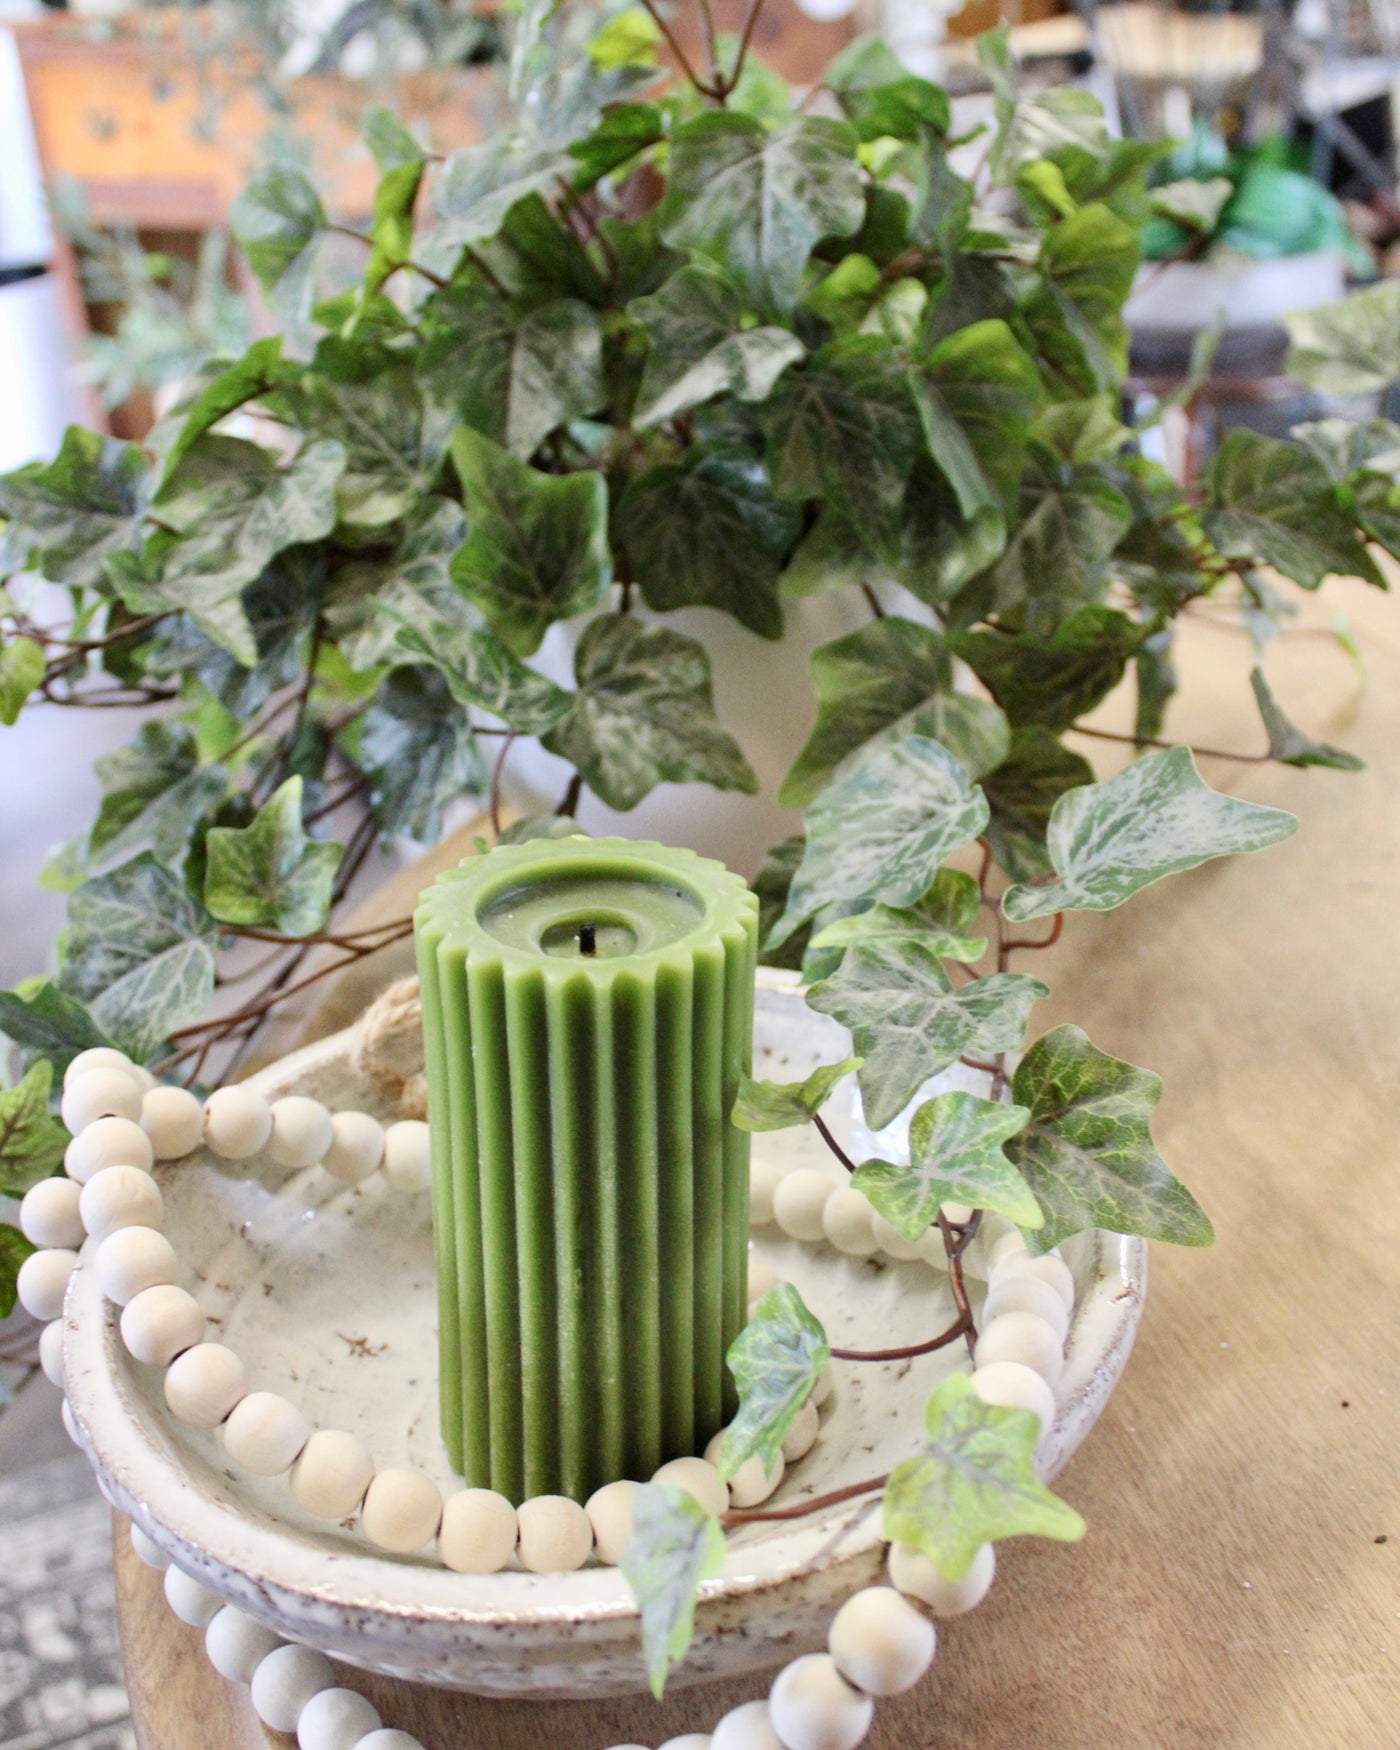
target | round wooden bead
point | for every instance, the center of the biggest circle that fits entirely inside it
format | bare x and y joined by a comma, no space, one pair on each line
915,1575
148,1551
880,1643
111,1142
802,1433
609,1511
51,1352
1049,1269
264,1433
237,1644
203,1385
893,1243
237,1123
689,1741
1012,1291
822,1390
751,1484
765,1175
336,1719
160,1323
50,1216
331,1474
814,1708
749,1727
1001,1242
1021,1336
555,1536
43,1280
100,1093
847,1222
191,1602
408,1161
285,1680
96,1057
174,1121
799,1202
402,1509
133,1259
120,1197
698,1477
1016,1387
357,1147
301,1131
389,1738
762,1277
478,1531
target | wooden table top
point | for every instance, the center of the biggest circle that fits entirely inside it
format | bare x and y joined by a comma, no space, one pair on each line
1239,1587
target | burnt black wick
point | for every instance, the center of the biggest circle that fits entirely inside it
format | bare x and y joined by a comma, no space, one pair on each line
588,939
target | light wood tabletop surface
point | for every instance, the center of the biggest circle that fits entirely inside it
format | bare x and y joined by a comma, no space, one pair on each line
1239,1588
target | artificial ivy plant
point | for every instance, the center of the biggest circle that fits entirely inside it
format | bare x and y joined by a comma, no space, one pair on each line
690,343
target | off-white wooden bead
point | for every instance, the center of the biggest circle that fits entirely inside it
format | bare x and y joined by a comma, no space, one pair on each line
880,1643
285,1681
1012,1291
765,1175
161,1323
49,1214
100,1093
120,1197
331,1474
1001,1244
698,1477
1049,1269
814,1708
1021,1336
301,1131
402,1509
204,1384
751,1484
237,1644
762,1277
478,1531
1016,1387
70,1425
111,1142
555,1536
390,1738
689,1741
893,1243
174,1121
609,1511
802,1433
357,1147
848,1223
51,1352
264,1433
191,1602
237,1122
148,1550
408,1160
43,1280
336,1719
822,1390
96,1057
749,1727
133,1259
799,1202
916,1576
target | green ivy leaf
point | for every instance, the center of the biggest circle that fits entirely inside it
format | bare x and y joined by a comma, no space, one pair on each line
890,679
31,1142
22,667
630,37
775,1361
1287,743
1022,793
644,714
269,874
370,597
974,1483
756,203
908,1022
1087,266
674,1546
883,828
977,394
1157,817
771,886
49,1022
14,1249
480,671
902,109
625,130
1058,552
279,220
1053,680
1087,1150
1348,347
537,548
541,826
779,1105
154,793
260,371
389,141
418,753
1040,126
68,515
955,1156
391,230
1193,203
883,923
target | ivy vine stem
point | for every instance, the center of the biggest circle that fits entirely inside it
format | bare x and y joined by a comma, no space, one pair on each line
1201,753
803,1509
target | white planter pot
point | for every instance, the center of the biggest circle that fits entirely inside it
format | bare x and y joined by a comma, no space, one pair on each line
1184,297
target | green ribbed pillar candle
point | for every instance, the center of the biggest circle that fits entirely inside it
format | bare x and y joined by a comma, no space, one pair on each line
587,1013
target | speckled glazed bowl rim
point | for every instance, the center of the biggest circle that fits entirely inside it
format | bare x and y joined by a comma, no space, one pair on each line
778,1586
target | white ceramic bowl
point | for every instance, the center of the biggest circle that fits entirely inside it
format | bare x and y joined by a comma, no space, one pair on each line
327,1294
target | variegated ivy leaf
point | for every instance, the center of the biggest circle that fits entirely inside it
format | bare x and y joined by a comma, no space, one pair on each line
418,753
479,670
955,1156
1287,743
22,667
49,1022
908,1022
1191,202
269,873
1350,347
14,1249
674,1546
1155,818
882,830
154,792
775,1361
31,1142
69,516
883,923
1087,1150
777,1105
973,1483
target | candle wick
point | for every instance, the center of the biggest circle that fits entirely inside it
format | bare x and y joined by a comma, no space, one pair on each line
588,938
